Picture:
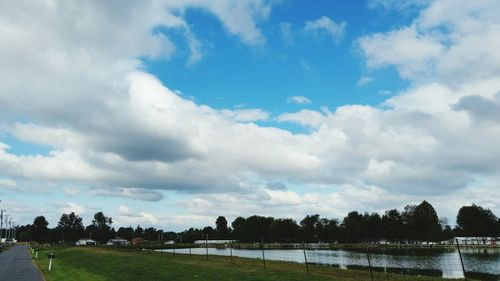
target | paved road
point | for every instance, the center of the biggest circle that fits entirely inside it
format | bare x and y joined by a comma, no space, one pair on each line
16,265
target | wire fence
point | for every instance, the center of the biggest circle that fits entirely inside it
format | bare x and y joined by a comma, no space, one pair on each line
362,262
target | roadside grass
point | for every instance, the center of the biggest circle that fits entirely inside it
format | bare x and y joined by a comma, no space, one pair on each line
96,264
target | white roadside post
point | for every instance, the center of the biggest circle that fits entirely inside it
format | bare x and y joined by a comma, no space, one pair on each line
51,257
36,253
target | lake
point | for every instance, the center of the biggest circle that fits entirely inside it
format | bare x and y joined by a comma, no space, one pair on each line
482,263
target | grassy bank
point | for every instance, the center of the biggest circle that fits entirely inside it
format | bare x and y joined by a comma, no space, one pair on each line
79,263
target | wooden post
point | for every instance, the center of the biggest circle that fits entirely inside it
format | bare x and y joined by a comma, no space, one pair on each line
461,260
369,263
305,259
231,251
206,244
262,248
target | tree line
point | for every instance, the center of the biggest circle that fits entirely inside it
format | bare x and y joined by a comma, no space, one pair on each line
413,223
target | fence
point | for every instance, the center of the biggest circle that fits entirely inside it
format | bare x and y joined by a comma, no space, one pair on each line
365,262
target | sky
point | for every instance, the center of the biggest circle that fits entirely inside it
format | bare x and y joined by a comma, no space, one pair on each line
169,113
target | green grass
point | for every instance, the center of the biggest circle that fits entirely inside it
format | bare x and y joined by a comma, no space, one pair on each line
96,264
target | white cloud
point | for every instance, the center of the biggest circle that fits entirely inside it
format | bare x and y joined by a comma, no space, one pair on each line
287,32
412,53
71,190
326,27
246,115
396,5
280,203
69,207
126,216
298,100
365,80
110,124
442,43
239,17
7,183
128,192
304,117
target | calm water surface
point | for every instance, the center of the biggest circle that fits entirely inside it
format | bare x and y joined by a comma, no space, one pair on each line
445,261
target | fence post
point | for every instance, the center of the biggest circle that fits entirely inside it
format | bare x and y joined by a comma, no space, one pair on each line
369,262
174,248
262,247
206,245
305,258
189,252
461,260
231,251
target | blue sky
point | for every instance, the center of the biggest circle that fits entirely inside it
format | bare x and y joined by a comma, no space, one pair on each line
324,69
171,113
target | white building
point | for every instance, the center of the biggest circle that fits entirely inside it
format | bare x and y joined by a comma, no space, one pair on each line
117,242
214,241
478,241
85,242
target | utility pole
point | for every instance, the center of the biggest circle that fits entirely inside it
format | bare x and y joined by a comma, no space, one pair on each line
14,228
6,227
1,225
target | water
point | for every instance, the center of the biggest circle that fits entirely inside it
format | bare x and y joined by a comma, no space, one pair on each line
419,261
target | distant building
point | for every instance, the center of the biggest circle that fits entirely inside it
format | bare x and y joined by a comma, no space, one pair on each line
85,242
493,241
117,242
214,241
137,241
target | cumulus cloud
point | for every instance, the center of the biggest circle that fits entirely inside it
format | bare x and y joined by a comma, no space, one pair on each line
304,117
283,203
287,32
396,4
128,192
69,207
365,80
127,216
441,44
325,26
299,100
71,190
108,123
246,115
412,53
7,183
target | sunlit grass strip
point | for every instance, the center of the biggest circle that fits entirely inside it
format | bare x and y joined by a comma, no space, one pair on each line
81,263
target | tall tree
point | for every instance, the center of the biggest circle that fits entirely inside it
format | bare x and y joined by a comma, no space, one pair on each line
372,226
191,235
476,221
238,225
150,234
125,233
209,232
426,222
353,227
328,230
407,216
309,228
40,230
392,225
70,227
139,231
221,227
283,231
100,229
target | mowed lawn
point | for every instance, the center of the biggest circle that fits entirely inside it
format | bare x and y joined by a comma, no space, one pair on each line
95,264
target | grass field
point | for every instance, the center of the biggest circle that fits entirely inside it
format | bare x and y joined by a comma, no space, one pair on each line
96,264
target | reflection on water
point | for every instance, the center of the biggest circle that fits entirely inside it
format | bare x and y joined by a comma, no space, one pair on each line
433,261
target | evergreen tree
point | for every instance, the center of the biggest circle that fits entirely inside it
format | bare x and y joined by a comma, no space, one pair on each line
40,230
